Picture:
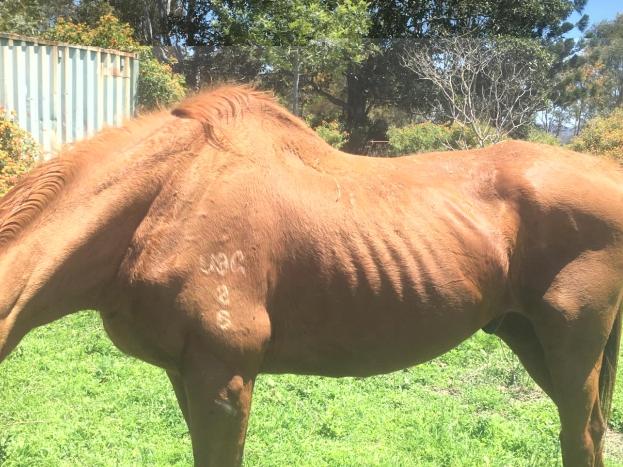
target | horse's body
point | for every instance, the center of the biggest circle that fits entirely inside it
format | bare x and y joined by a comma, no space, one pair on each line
227,240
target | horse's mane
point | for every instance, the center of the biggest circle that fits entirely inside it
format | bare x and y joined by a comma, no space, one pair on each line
219,108
38,188
28,198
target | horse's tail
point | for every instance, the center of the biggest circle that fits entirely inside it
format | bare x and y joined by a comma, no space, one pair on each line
609,366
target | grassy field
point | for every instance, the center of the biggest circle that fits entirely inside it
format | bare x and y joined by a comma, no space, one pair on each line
68,397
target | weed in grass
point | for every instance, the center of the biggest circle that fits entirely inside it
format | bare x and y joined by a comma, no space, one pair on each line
4,447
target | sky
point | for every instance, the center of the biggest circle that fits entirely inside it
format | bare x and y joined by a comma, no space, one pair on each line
598,10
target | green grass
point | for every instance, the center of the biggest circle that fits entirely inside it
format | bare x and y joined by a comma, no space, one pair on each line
68,397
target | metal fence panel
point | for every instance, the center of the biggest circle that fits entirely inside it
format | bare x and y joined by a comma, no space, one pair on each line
62,93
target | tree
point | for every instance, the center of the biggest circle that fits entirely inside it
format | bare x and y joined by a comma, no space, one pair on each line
492,86
583,92
305,39
379,79
31,17
590,83
605,52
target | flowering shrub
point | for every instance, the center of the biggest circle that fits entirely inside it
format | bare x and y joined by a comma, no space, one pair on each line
602,135
158,85
18,152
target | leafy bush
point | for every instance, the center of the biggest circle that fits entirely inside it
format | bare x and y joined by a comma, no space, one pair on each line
602,135
537,135
427,136
418,137
18,152
464,137
158,85
332,133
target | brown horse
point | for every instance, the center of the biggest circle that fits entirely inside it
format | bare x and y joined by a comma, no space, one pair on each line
225,239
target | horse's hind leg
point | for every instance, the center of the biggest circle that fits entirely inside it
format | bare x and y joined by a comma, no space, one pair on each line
559,375
573,354
573,323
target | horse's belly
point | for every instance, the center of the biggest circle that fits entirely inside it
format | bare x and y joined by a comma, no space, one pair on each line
365,340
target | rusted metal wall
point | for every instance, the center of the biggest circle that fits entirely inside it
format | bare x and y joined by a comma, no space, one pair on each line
62,93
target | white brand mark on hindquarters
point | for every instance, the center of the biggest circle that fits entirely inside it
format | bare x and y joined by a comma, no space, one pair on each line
218,264
235,263
223,319
221,264
222,295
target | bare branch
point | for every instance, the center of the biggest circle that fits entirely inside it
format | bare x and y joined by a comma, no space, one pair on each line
487,85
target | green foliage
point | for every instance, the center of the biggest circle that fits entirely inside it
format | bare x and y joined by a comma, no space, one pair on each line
528,18
537,135
307,38
108,33
158,85
605,53
18,152
602,135
381,79
333,133
90,11
31,17
464,137
315,49
419,137
428,136
302,23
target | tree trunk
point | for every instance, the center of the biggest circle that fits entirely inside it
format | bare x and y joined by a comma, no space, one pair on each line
296,76
578,121
558,127
356,112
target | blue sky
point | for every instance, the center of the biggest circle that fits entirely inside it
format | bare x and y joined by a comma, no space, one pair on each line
598,10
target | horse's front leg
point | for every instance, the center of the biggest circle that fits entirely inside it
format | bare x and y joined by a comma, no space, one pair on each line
218,401
180,393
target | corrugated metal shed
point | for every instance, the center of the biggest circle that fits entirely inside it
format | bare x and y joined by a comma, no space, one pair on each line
62,92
